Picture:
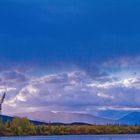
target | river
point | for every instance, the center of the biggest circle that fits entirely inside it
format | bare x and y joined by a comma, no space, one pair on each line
83,137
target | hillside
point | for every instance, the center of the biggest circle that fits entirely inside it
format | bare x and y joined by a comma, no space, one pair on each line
65,117
131,119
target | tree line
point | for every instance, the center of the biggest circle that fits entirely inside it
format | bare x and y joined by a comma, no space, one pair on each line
23,127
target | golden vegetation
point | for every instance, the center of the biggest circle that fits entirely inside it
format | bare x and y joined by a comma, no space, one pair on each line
23,127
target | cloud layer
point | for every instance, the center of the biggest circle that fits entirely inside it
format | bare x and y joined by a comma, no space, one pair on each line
75,90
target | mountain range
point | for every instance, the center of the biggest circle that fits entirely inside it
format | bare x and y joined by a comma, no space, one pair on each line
64,117
130,119
58,118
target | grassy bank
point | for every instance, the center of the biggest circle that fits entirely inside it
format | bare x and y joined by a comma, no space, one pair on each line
23,127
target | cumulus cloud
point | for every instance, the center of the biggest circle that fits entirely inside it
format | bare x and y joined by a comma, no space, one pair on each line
74,90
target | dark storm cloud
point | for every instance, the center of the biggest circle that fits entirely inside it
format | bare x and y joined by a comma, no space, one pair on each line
82,32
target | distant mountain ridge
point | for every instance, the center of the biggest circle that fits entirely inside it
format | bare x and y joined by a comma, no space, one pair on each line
130,119
66,118
61,118
9,118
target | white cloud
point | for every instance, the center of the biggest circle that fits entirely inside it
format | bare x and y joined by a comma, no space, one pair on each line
73,90
103,95
127,82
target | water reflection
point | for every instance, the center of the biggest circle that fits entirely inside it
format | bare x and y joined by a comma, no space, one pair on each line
89,137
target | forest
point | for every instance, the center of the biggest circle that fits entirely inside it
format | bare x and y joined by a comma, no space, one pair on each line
23,127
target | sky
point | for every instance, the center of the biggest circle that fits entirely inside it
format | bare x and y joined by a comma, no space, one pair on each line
70,56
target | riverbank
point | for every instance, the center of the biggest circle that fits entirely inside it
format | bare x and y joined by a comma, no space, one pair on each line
23,127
